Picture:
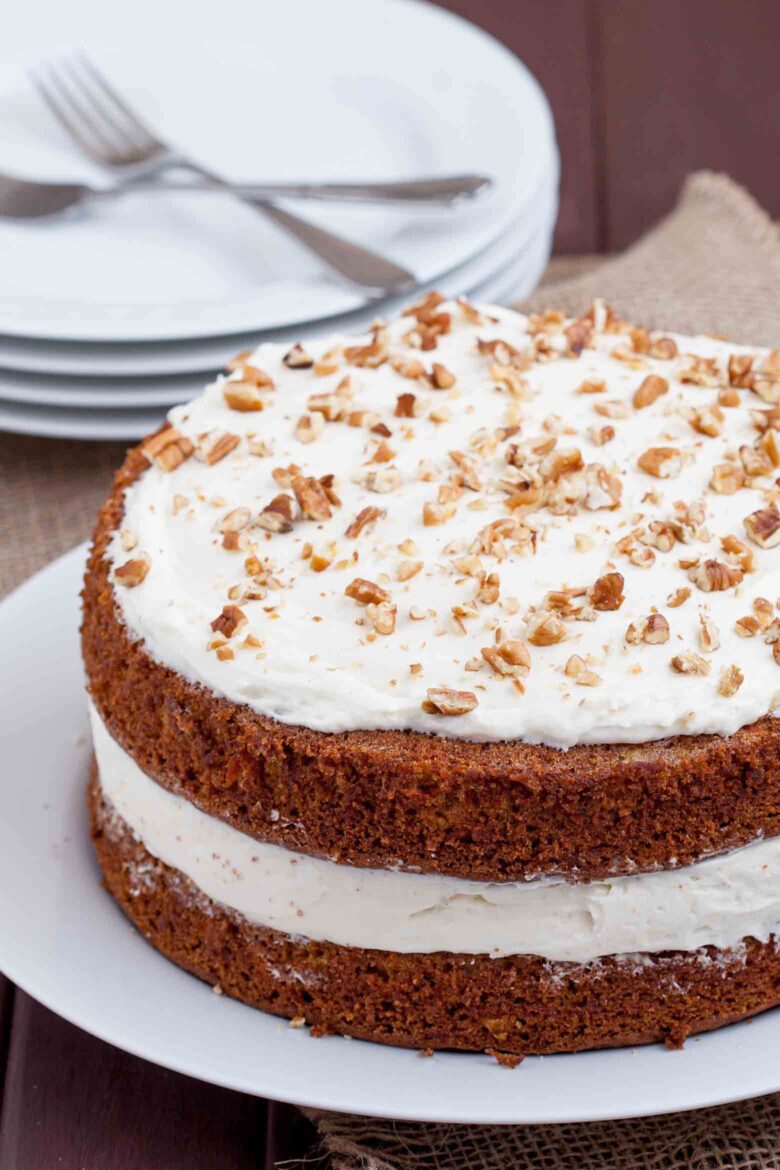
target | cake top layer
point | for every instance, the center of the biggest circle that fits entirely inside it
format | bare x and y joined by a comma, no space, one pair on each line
475,524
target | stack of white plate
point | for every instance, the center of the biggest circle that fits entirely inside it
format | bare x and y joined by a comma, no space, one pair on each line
111,314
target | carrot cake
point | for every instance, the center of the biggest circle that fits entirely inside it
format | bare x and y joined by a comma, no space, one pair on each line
433,676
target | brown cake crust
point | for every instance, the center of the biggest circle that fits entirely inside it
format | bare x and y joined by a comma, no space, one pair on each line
521,1005
495,811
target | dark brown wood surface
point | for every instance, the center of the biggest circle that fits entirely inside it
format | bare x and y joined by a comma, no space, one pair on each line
643,91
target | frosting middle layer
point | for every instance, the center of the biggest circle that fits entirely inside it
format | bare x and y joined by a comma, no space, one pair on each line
717,902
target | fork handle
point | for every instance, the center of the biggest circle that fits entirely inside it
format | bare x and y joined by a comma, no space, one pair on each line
358,264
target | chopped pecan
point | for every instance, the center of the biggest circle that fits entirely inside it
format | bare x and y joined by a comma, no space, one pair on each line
509,658
740,366
747,626
701,371
601,435
434,514
661,462
215,445
727,478
578,336
763,526
706,420
739,553
408,569
405,405
382,616
231,621
612,408
441,377
731,679
653,629
443,701
544,628
690,663
714,577
278,515
576,668
679,597
489,589
602,490
382,479
132,572
242,396
755,462
467,471
255,376
366,592
606,593
236,520
297,358
769,445
364,521
168,449
708,633
650,390
372,355
312,498
309,427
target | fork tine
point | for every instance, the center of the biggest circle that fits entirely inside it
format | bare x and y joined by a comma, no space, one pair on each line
83,132
128,140
139,128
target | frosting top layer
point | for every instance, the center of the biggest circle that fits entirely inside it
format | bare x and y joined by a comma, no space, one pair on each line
474,524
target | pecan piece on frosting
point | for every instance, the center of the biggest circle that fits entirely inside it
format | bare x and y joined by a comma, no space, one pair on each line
731,679
133,572
312,498
714,576
231,621
443,701
297,358
508,659
653,629
309,427
544,628
650,390
242,396
168,449
278,515
215,445
690,663
661,462
364,521
763,526
607,592
366,592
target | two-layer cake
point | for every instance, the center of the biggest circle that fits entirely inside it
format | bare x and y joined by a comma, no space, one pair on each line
433,675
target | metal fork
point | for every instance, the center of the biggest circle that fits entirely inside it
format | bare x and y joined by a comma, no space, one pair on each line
104,127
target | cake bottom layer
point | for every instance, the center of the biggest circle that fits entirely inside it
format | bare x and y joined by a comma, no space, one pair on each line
519,1005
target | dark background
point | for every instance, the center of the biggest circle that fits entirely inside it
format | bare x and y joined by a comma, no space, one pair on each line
644,92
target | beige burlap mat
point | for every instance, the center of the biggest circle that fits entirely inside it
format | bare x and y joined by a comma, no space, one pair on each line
745,1136
713,266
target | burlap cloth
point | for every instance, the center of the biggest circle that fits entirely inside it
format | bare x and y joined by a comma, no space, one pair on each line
712,266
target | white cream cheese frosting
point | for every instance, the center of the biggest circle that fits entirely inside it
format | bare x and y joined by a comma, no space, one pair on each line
556,450
717,902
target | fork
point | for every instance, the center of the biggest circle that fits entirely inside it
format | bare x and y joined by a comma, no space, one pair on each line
104,127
